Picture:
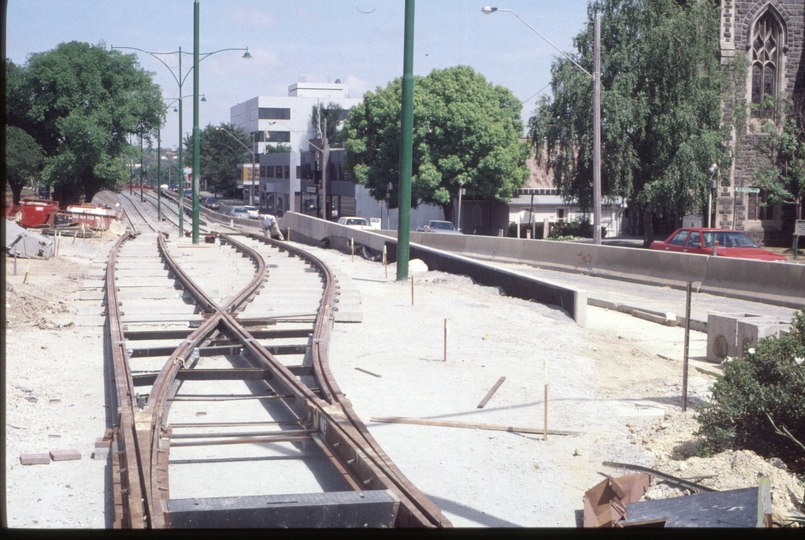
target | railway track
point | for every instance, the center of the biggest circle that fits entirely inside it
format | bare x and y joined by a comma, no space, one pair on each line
227,412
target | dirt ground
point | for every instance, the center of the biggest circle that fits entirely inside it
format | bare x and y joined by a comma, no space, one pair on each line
617,382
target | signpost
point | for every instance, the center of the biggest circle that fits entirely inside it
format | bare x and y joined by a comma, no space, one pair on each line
799,230
747,190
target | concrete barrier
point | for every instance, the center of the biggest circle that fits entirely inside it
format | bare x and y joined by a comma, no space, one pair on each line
771,282
313,231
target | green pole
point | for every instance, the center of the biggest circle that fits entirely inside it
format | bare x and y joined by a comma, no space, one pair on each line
181,153
406,145
141,168
196,157
159,178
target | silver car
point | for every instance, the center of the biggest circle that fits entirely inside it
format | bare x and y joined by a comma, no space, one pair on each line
239,212
435,226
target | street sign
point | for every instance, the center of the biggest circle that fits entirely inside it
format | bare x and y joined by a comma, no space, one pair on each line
747,190
799,227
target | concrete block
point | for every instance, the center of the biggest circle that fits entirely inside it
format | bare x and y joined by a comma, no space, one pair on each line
722,334
752,329
35,459
65,455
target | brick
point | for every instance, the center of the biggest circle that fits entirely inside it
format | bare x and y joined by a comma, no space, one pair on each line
35,459
65,455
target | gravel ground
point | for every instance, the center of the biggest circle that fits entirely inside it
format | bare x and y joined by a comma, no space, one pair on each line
616,382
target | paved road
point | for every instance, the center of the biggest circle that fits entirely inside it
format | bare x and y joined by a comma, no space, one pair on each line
652,298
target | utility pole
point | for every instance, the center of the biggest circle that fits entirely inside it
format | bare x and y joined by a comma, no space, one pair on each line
251,191
597,133
325,158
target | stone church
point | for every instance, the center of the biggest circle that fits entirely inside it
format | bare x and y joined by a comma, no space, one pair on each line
767,37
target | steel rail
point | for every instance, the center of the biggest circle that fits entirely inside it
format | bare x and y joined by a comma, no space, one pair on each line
334,395
335,427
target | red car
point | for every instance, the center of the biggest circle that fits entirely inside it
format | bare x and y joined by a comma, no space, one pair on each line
729,244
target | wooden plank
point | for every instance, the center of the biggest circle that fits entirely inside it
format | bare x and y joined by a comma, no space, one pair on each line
468,425
491,393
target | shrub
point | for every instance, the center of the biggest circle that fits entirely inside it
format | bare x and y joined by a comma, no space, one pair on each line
769,382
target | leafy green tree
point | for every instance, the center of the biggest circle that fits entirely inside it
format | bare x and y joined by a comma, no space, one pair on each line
79,102
221,149
780,171
280,148
466,130
24,159
661,92
332,113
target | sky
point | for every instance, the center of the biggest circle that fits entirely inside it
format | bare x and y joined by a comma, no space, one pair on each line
357,41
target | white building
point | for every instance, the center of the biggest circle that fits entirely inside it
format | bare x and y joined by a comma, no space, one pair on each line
270,120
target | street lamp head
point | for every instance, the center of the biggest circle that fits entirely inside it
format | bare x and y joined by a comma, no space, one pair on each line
713,168
246,55
203,98
488,10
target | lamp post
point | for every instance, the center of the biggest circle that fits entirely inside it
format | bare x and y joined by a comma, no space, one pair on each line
713,172
406,146
460,193
596,77
180,78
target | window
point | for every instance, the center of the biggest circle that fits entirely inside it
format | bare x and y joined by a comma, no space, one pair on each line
269,171
278,136
679,238
765,55
271,113
279,171
758,207
695,240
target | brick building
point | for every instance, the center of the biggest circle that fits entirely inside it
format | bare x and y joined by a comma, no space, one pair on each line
765,36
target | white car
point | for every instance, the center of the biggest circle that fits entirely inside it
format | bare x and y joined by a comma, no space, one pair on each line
354,222
252,210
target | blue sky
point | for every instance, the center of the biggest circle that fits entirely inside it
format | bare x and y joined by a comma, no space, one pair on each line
357,41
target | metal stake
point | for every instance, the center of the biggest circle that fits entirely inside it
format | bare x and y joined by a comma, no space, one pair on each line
685,361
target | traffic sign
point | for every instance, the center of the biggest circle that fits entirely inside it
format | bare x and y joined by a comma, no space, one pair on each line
799,228
747,190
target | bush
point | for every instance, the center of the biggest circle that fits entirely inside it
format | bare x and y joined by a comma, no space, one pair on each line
561,230
769,382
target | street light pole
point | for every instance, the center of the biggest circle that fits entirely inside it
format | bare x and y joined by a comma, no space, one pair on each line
196,142
597,132
406,146
596,78
460,193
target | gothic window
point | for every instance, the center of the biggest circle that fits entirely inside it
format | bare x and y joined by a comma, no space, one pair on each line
765,57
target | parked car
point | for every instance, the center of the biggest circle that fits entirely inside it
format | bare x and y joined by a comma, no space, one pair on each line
212,203
434,226
239,212
701,240
173,187
253,212
354,222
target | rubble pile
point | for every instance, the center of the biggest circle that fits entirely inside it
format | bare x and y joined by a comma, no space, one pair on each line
673,443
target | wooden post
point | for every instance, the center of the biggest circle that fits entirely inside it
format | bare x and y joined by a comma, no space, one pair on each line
445,332
385,261
289,233
685,358
412,290
545,409
352,248
764,502
15,260
27,274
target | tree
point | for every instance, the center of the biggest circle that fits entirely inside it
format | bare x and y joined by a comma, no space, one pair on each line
780,171
24,160
466,130
661,92
333,114
79,102
221,149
